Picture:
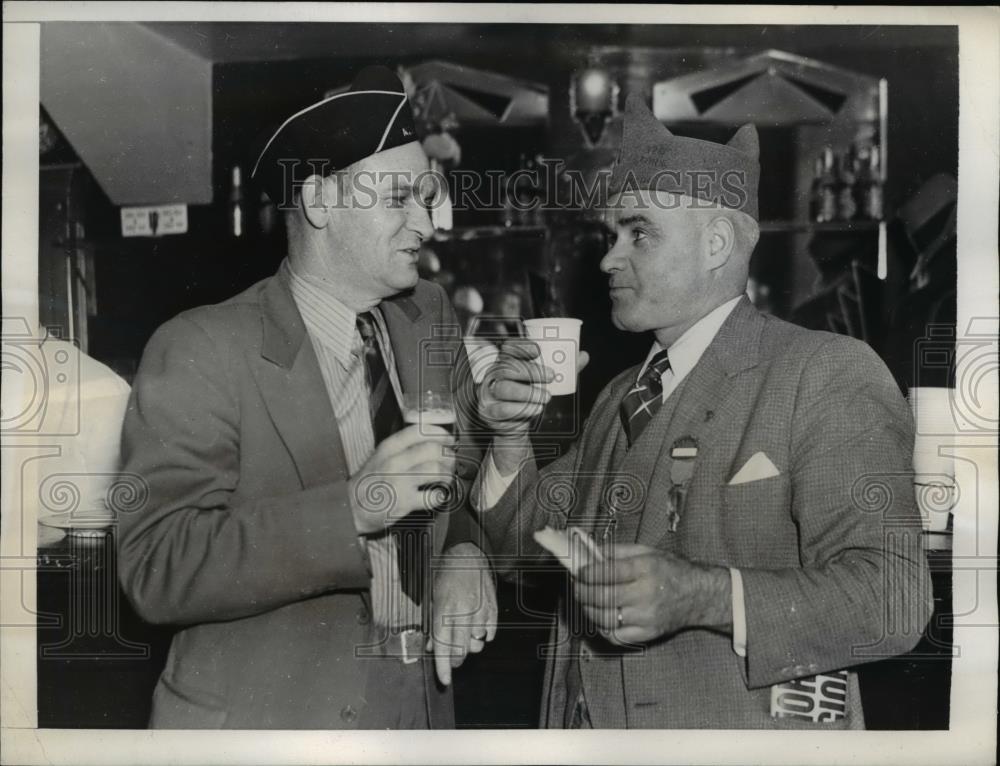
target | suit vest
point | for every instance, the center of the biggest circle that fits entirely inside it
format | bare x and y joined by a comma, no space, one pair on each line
621,494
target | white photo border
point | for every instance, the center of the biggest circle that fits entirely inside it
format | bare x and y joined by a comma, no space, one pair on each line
972,736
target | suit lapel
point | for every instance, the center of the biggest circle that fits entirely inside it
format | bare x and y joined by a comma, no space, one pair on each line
423,355
707,389
405,321
291,384
424,349
705,401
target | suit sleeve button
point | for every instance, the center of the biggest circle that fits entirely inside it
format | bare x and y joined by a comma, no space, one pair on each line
348,714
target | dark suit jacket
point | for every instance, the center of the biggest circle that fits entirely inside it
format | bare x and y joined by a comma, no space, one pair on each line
829,549
247,539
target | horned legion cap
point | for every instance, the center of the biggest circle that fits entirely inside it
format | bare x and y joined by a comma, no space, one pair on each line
652,158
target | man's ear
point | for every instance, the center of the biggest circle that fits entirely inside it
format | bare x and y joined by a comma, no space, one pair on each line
721,240
317,198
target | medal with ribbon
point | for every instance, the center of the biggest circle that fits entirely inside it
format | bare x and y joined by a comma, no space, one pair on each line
683,454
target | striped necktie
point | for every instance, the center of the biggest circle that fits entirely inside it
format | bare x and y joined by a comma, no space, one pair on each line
644,399
383,407
410,533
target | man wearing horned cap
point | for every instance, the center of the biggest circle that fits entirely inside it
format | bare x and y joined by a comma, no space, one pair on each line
288,528
748,485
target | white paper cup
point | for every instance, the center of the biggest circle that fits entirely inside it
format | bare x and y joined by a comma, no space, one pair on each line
558,338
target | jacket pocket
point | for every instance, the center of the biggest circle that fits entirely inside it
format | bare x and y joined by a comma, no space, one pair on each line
757,496
757,524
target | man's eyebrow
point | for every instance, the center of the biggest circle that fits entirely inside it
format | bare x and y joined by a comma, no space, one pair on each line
397,182
624,223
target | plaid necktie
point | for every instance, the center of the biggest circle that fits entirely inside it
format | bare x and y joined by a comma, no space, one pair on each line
410,533
642,402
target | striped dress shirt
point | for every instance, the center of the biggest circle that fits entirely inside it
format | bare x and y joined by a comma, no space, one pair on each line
332,329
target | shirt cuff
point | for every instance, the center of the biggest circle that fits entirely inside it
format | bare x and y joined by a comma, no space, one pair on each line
739,614
490,484
363,545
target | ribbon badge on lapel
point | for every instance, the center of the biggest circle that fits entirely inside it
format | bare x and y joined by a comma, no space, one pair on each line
683,454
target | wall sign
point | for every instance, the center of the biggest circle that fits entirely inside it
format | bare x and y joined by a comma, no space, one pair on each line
154,220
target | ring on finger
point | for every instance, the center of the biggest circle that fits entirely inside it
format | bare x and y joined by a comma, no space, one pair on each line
620,619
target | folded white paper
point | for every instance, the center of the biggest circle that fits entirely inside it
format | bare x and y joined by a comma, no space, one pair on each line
573,547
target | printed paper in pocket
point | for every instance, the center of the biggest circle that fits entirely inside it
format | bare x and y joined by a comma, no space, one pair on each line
819,699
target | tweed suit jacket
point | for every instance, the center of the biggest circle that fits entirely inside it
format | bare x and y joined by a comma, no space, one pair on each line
829,549
247,540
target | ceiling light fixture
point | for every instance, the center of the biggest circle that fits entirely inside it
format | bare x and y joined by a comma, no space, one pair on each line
593,100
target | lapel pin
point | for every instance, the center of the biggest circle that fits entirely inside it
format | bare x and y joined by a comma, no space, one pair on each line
685,448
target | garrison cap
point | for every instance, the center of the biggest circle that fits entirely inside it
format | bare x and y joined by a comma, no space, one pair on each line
373,115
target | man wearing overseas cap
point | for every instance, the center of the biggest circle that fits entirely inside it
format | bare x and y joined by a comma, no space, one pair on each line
747,485
279,529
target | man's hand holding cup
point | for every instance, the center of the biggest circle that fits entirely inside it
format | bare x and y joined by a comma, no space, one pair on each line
393,482
513,394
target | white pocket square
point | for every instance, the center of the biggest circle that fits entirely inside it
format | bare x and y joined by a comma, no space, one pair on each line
758,467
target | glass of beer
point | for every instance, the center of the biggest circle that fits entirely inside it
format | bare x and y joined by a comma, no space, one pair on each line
431,408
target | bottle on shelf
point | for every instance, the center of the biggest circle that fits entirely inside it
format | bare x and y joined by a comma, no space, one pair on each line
826,191
507,216
816,191
538,191
847,208
869,185
236,207
525,191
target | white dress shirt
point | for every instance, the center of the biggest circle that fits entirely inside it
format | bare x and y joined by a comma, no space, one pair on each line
684,354
332,329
